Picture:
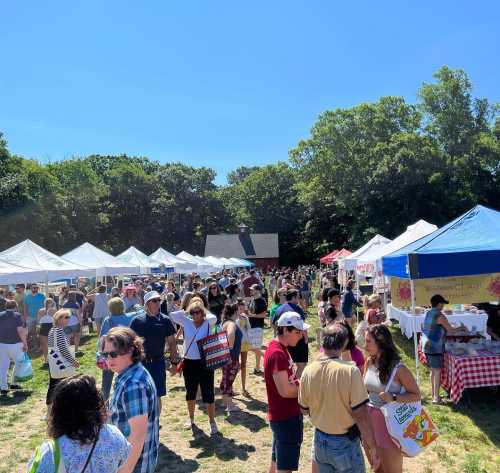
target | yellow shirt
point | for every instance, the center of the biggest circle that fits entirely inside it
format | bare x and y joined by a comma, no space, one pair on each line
330,388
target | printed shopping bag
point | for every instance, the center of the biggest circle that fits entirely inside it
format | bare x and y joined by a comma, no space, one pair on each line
255,337
409,424
214,350
23,369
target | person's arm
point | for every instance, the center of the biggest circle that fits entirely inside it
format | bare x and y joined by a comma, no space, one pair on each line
404,377
21,331
284,386
230,332
62,344
303,395
211,319
443,321
138,430
179,317
360,416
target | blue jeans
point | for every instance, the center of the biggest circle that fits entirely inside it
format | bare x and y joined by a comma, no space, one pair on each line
338,453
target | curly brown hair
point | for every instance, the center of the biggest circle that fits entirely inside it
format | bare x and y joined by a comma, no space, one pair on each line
388,353
78,410
126,340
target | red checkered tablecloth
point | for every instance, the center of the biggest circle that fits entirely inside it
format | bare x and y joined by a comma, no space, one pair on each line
465,371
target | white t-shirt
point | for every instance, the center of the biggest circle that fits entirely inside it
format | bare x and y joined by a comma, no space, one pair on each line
100,306
46,318
190,330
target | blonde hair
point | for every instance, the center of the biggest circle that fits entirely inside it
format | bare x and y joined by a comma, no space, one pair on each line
196,303
60,314
186,300
116,306
373,299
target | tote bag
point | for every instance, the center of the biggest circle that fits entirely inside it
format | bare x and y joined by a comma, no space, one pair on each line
255,337
214,350
23,369
409,424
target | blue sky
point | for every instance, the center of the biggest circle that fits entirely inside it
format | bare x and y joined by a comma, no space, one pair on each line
220,83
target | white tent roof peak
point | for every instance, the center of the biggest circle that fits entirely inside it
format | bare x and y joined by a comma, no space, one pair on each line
136,257
104,263
168,259
30,255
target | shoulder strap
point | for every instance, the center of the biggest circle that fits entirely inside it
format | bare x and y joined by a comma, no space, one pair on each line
193,339
91,452
391,378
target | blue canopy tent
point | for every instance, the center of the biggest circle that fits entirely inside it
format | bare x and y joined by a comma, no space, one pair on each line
467,246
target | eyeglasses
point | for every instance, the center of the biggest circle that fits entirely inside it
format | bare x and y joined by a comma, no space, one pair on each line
112,354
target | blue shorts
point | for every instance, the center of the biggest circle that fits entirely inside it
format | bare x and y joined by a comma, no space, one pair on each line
158,372
287,439
337,453
435,360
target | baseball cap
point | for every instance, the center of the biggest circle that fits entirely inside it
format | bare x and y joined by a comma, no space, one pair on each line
292,319
438,299
151,295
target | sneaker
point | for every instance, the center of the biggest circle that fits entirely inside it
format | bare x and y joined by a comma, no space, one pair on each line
213,428
189,423
232,408
15,386
256,371
79,354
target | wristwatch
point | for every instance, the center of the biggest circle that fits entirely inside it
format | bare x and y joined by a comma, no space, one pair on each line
394,397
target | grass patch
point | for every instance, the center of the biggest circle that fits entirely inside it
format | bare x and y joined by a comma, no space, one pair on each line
469,434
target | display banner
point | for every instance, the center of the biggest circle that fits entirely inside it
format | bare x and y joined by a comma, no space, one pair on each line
457,290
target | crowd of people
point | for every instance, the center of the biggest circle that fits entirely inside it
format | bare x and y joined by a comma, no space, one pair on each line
116,428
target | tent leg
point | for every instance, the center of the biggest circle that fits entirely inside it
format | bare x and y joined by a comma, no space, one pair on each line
414,322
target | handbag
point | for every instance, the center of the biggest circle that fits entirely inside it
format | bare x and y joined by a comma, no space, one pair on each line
23,370
408,424
214,350
255,338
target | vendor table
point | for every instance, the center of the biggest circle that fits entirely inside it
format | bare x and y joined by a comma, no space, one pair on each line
411,324
464,371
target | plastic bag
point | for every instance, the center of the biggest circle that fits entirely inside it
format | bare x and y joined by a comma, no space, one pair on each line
23,369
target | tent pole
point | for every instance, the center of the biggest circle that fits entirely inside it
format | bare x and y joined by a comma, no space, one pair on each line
413,319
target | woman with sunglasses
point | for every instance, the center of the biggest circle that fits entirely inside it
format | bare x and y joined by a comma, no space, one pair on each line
62,363
216,300
197,324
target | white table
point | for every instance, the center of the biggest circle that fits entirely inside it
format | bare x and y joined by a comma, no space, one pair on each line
411,324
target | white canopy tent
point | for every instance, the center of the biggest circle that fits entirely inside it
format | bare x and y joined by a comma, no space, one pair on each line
13,274
240,263
28,254
349,263
371,262
218,262
168,259
203,266
136,257
103,263
228,263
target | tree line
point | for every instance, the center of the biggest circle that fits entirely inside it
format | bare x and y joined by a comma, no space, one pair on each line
372,168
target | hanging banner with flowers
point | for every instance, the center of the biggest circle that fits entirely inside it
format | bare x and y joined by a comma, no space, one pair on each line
457,290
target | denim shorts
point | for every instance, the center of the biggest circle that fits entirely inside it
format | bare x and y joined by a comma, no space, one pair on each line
287,439
338,453
435,360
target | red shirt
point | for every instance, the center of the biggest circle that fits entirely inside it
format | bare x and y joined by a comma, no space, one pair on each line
247,282
277,359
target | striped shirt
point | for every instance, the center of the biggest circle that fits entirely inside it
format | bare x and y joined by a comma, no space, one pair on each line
57,339
134,395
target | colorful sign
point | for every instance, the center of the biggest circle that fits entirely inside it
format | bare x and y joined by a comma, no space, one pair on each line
457,290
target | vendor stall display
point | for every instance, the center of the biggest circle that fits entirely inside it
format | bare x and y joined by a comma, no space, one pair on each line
411,323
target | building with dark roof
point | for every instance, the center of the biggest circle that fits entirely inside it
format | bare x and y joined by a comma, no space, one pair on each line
260,248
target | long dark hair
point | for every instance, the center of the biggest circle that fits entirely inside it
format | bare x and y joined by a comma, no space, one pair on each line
351,343
388,356
77,410
229,311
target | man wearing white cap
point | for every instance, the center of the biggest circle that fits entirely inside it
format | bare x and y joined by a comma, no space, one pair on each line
282,386
156,329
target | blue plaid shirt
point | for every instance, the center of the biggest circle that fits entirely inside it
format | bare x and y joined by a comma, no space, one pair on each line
134,395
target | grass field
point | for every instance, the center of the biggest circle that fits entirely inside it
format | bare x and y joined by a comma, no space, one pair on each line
469,441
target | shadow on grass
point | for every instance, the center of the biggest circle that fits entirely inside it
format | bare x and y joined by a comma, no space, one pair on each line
217,445
481,407
170,461
16,397
253,404
248,420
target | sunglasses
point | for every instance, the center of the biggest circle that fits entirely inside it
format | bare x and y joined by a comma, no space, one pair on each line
67,317
194,312
156,301
112,354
